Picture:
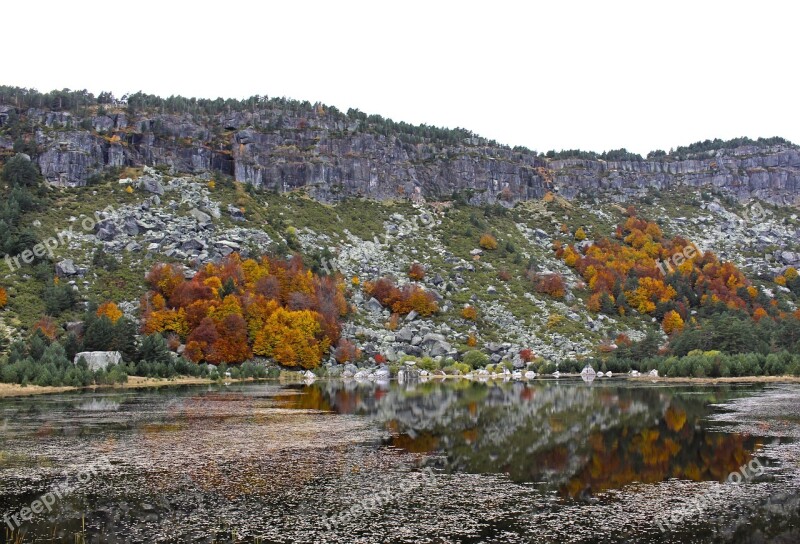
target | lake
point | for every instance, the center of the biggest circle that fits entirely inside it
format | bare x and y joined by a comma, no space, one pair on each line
454,461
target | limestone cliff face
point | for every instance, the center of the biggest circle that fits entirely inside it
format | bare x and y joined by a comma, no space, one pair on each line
334,158
747,172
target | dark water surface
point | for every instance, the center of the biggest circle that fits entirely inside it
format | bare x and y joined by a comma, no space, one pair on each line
335,461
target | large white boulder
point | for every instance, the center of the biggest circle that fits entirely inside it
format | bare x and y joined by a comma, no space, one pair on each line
99,359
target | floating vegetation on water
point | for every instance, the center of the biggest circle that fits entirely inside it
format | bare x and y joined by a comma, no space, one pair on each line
555,462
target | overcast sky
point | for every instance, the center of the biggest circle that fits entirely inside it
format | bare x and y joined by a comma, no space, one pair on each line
557,74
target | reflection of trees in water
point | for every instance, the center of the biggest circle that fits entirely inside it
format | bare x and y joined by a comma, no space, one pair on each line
578,439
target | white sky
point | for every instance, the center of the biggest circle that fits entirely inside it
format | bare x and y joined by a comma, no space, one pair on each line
556,74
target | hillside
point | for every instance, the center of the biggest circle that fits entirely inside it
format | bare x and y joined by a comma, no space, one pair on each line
191,183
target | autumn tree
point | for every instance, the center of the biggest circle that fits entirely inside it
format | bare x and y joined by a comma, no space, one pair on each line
549,284
291,338
110,310
201,340
488,242
469,312
416,272
402,301
48,326
672,323
233,307
164,278
346,352
231,345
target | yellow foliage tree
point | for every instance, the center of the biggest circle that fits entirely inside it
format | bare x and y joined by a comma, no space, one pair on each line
230,306
469,312
168,320
571,257
291,338
580,234
673,322
488,241
254,271
214,283
110,310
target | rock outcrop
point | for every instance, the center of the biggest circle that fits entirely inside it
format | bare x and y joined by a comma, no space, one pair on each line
772,175
333,157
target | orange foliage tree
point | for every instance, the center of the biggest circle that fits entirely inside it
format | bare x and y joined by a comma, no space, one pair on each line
234,308
644,270
293,338
402,300
110,310
3,297
416,272
549,284
48,326
469,312
346,351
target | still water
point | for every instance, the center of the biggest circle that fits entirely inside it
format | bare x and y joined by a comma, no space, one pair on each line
456,461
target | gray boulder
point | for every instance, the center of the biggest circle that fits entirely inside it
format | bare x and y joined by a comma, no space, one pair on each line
130,227
66,268
152,185
236,213
194,243
105,235
435,345
202,217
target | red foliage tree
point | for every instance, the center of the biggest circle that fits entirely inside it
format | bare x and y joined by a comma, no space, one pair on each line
346,351
416,272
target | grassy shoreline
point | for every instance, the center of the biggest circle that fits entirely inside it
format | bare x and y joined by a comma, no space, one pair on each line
736,379
134,382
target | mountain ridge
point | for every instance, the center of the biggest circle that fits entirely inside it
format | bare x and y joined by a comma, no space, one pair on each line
283,145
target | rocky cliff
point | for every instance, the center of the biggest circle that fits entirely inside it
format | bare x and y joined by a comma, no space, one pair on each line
334,156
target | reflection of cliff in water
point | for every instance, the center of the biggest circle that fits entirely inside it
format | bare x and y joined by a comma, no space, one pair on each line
580,439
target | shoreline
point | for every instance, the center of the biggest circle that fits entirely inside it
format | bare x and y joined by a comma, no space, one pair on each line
8,390
11,390
733,379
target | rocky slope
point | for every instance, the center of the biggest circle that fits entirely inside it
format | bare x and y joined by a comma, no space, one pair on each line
154,216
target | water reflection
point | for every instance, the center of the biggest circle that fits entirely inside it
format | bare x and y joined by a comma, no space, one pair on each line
569,436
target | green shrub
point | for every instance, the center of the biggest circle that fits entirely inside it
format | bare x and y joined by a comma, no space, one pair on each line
457,368
475,359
